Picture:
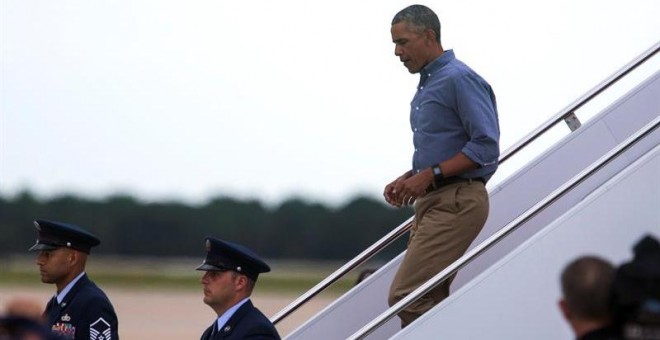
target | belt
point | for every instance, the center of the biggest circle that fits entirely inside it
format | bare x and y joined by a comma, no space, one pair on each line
453,180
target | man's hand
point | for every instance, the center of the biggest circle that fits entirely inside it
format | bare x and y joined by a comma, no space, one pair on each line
407,188
413,187
390,192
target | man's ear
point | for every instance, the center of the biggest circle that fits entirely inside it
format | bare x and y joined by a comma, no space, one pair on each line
430,35
563,306
73,257
77,258
241,282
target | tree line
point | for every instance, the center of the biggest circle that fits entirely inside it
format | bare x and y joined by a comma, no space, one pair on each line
295,229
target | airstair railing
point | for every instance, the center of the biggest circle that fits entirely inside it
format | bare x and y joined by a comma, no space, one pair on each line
508,229
569,111
339,273
393,235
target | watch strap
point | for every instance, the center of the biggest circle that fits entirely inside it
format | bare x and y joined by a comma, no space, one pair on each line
438,177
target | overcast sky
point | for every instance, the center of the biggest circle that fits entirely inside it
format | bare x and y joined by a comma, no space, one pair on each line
270,99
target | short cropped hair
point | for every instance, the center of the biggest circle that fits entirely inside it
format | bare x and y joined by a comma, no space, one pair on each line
586,285
419,18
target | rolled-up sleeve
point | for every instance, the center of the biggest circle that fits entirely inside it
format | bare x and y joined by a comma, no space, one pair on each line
478,113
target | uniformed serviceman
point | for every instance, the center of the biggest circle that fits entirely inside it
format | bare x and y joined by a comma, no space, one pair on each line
231,273
80,309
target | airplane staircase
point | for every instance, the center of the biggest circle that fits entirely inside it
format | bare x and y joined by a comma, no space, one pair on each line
557,189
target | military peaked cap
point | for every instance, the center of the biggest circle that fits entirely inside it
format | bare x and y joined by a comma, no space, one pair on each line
224,255
52,235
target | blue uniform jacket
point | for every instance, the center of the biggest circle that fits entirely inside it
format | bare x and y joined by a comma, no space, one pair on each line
247,323
85,313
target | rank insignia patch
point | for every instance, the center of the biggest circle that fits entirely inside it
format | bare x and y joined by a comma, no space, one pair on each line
100,330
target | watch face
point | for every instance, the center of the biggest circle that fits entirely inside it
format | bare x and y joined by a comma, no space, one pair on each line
436,170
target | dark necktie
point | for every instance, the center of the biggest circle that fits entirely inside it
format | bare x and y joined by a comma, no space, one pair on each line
52,309
214,331
50,304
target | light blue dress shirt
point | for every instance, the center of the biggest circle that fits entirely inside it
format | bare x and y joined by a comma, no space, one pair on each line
68,287
222,320
454,110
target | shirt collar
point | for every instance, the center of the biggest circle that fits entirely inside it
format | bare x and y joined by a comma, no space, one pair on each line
222,320
438,63
68,287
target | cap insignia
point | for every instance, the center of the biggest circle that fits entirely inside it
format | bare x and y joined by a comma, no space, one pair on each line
208,245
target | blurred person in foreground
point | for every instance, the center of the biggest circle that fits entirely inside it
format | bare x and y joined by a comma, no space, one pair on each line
636,292
22,320
24,307
23,328
453,117
79,309
231,271
586,285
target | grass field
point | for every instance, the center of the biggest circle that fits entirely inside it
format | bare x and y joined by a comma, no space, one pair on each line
162,298
178,273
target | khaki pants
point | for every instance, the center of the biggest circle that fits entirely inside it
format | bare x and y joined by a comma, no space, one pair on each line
447,220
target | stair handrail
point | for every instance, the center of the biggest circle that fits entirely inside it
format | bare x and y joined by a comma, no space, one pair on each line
506,230
405,226
350,265
578,103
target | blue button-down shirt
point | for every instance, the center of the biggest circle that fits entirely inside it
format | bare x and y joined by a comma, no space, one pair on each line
454,111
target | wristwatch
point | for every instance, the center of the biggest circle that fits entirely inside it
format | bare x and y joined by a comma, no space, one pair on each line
437,175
